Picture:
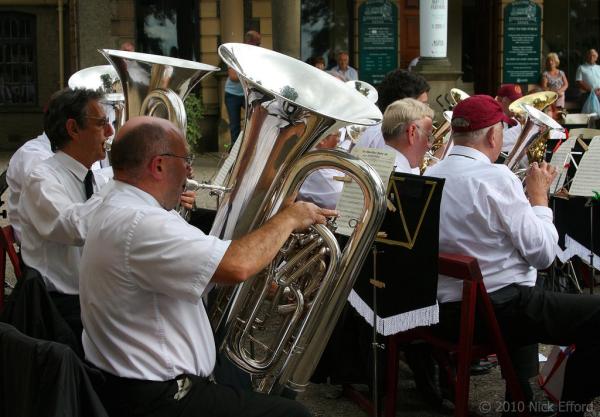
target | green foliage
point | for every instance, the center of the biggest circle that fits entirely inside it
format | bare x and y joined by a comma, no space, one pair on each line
193,111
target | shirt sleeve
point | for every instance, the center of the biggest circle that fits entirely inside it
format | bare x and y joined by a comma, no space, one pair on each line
530,229
48,207
578,74
164,254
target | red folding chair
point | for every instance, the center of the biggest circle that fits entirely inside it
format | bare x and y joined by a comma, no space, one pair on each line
461,353
8,247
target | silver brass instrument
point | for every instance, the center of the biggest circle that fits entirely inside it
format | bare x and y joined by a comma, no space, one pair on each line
370,92
155,85
535,118
277,323
103,78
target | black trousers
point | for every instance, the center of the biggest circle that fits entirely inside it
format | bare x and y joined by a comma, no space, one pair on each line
124,397
529,315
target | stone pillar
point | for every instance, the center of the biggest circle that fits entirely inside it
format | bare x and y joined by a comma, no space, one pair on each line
232,21
434,64
286,27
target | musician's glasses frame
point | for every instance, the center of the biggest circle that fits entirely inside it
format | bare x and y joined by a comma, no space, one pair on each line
189,159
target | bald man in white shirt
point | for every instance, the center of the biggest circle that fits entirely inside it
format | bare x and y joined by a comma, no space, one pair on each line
486,214
143,273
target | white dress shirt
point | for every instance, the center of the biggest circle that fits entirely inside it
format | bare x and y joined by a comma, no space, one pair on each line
402,164
21,163
372,137
143,272
484,213
54,220
511,134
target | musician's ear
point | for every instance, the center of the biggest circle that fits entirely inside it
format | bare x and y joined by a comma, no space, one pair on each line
155,167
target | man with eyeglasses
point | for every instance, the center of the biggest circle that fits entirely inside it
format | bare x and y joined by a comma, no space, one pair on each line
407,130
144,271
54,205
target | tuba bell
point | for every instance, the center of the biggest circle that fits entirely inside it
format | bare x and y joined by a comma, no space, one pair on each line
155,85
276,324
370,92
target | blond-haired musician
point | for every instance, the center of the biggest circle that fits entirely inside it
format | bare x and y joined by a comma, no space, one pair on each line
408,131
143,273
486,214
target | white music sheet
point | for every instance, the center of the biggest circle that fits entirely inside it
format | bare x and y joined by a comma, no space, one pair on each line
350,205
560,158
587,177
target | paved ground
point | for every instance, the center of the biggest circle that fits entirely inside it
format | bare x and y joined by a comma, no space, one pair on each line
486,393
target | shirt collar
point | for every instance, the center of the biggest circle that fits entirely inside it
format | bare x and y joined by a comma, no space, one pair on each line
133,191
73,165
470,153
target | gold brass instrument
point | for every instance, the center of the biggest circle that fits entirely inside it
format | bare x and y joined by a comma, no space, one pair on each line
528,136
457,95
540,101
439,134
277,323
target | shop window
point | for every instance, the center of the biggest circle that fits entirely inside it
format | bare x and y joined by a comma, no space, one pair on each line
326,29
168,27
17,59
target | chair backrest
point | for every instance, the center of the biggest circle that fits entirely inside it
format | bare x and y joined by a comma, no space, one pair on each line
8,247
459,266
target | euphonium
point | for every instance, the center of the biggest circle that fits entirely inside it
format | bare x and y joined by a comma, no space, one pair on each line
438,148
280,320
528,136
540,101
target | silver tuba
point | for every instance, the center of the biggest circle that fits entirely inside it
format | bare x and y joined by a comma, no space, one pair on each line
155,85
277,323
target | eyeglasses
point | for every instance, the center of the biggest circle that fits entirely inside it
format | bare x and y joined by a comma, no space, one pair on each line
188,159
104,120
430,137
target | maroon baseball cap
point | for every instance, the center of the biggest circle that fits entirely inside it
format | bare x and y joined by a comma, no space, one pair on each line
510,91
477,112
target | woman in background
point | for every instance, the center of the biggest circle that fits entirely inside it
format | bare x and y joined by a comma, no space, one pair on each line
554,79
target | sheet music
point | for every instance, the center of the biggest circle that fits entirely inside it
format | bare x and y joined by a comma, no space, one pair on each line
587,177
559,159
350,205
226,167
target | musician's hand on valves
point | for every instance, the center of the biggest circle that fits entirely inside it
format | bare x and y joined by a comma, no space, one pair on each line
305,214
538,180
187,199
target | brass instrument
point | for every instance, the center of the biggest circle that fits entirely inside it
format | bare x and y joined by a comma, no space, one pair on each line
539,101
277,323
457,95
370,92
527,137
438,145
104,79
155,85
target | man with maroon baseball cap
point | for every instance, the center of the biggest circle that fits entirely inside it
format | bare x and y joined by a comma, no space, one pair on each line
486,214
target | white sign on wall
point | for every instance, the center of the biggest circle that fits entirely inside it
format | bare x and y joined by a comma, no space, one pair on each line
433,22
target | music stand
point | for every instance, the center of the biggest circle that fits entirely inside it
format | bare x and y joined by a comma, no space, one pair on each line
396,289
586,183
